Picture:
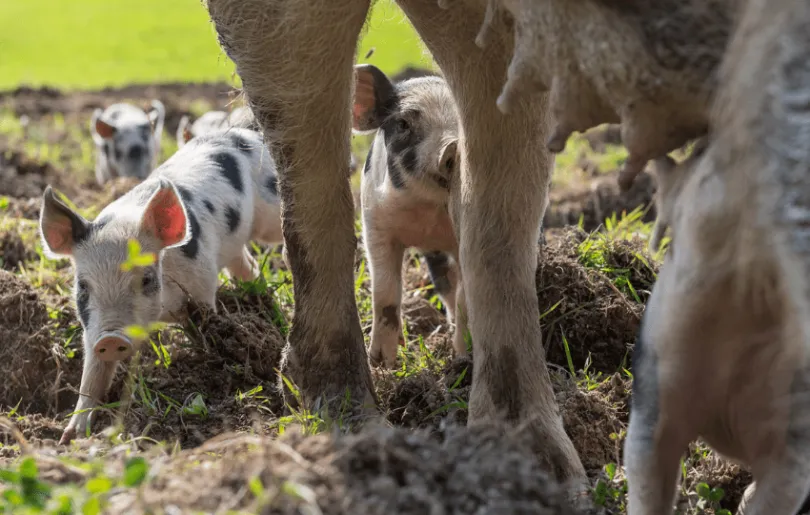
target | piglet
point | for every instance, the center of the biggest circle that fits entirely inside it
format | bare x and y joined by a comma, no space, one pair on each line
213,121
196,213
127,140
405,189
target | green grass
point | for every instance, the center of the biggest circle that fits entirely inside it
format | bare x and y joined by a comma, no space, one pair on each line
87,44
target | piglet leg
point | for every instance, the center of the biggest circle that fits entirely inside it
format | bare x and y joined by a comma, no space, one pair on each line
444,275
244,266
385,262
96,379
460,336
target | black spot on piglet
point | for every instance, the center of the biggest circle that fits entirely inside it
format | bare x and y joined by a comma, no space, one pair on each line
233,218
192,248
229,167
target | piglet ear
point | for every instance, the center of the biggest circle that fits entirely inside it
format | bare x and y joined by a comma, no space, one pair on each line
104,129
181,129
61,228
164,218
374,98
157,115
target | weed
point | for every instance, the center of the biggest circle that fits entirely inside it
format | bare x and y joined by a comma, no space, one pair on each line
25,493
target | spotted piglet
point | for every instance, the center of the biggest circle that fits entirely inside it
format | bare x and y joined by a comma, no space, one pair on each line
196,213
405,189
127,140
214,121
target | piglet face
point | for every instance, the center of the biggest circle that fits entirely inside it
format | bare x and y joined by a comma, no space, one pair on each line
128,137
419,129
110,297
133,151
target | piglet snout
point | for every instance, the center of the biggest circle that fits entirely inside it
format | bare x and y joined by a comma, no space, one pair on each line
136,152
113,347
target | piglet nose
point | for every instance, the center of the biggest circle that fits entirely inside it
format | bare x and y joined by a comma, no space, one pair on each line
113,346
136,152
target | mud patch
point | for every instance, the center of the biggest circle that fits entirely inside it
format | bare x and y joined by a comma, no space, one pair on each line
717,473
177,98
592,316
599,199
378,471
23,177
429,398
421,317
34,366
14,251
22,208
112,190
221,375
594,419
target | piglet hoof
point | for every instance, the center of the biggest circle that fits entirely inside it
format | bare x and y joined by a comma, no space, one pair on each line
67,435
380,358
113,347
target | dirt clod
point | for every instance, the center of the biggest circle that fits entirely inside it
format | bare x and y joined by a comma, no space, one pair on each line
13,251
224,380
461,471
593,317
34,367
421,317
416,400
379,471
23,177
594,419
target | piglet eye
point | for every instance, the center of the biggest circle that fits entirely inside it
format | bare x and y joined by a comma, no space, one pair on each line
149,282
403,125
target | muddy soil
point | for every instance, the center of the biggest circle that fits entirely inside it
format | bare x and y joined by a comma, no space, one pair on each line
593,319
177,99
210,386
593,202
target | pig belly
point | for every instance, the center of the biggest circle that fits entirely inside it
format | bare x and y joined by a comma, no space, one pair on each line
438,236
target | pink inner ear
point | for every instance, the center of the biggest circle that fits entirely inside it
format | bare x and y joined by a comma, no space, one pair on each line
104,129
59,235
165,218
364,100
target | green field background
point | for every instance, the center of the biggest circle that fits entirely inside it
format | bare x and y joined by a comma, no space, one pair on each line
91,44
